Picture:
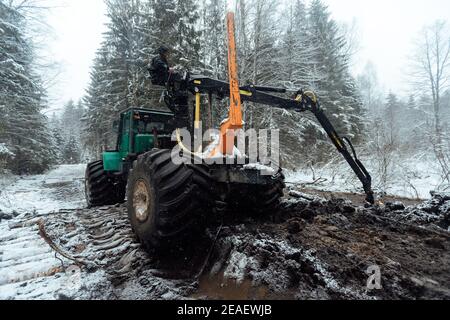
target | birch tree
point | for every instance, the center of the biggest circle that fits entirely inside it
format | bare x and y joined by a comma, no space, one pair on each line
431,63
431,73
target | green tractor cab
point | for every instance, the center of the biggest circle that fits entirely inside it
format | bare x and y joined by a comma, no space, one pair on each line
138,131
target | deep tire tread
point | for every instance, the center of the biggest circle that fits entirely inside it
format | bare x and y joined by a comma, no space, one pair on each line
267,199
100,189
183,198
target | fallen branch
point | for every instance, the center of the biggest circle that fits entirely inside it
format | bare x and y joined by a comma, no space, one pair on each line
318,180
304,184
53,245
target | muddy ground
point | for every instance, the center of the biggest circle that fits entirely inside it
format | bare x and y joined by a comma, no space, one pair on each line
317,246
322,249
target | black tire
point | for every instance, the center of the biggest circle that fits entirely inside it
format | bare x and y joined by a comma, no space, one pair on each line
265,200
101,190
167,202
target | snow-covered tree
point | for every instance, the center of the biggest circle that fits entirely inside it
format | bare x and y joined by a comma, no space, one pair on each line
257,34
66,132
119,78
71,151
24,131
164,27
59,143
187,46
296,48
101,93
71,120
431,75
331,74
215,44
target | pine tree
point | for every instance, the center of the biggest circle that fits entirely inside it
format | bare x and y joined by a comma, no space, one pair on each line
71,118
24,130
296,48
57,137
130,47
71,152
97,121
263,65
175,25
394,108
187,46
66,127
369,87
59,143
164,27
331,76
215,44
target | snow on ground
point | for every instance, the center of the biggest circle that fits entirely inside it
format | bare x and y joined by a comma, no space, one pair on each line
113,264
28,266
60,188
410,179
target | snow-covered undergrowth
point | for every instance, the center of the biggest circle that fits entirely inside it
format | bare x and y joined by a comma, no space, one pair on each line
60,188
412,178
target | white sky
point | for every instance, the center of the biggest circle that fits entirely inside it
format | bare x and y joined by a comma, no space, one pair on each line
387,29
78,26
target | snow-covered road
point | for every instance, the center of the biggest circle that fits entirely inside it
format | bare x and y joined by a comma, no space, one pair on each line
28,266
60,188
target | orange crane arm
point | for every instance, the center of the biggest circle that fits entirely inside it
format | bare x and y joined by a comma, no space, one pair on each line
234,121
235,96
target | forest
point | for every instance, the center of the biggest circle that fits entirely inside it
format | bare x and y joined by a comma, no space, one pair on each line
80,220
294,44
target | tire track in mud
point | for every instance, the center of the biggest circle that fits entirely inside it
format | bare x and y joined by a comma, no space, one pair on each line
103,237
117,267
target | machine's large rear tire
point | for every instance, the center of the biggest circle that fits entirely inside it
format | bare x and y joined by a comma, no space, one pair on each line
263,200
101,190
167,202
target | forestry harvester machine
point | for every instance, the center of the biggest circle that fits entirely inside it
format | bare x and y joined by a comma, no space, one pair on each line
168,200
